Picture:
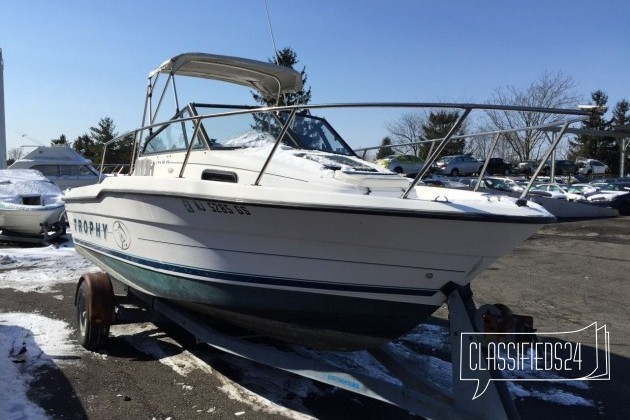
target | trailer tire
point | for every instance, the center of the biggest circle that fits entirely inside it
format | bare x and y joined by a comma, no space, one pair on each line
92,326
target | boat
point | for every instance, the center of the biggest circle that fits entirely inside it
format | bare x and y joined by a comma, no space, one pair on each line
29,203
556,203
263,216
62,165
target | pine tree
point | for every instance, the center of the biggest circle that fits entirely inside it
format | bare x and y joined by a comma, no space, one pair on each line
62,141
437,126
262,122
91,146
621,113
585,146
385,149
288,58
620,117
84,145
595,147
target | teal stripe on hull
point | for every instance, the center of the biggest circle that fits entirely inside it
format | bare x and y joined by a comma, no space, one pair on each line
313,319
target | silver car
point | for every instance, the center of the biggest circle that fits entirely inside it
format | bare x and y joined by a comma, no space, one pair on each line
457,165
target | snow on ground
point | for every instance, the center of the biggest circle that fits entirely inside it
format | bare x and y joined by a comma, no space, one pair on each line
28,341
40,269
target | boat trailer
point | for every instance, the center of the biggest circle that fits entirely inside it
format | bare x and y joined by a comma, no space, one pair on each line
97,308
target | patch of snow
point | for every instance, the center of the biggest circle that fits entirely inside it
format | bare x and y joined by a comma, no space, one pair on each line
28,341
184,362
40,269
556,396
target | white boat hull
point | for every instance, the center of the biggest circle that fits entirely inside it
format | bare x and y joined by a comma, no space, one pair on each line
28,220
279,266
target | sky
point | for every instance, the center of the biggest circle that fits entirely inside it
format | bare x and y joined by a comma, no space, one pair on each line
67,64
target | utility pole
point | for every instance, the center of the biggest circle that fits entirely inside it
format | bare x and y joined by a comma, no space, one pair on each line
623,139
3,132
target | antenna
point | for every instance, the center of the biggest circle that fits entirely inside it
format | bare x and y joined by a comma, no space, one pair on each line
33,139
273,41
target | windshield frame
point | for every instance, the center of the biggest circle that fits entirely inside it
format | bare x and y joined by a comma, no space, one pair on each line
319,129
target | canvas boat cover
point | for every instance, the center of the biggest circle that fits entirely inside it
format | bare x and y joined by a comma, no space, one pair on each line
270,79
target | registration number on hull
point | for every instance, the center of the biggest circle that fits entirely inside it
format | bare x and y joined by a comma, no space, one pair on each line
193,206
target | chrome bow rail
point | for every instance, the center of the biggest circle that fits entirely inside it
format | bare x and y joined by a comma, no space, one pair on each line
568,117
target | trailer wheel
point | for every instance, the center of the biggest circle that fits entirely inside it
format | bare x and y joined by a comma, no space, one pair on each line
95,310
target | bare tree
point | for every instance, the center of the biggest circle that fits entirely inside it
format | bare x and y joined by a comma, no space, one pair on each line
549,91
479,146
420,127
16,153
407,129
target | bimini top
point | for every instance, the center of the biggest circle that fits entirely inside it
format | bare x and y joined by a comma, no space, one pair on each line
270,79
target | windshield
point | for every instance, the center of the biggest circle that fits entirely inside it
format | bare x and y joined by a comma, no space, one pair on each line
315,133
249,129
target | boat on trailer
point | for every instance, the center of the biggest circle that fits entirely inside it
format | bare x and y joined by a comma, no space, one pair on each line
266,218
31,207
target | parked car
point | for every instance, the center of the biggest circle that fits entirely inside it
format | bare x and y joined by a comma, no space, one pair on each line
498,166
457,165
558,191
526,167
503,184
610,194
402,164
590,167
563,167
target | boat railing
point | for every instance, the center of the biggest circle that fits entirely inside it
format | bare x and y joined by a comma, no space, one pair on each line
551,126
571,116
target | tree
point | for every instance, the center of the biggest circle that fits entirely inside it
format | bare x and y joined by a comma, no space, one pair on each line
262,122
621,117
385,149
288,58
621,113
407,129
602,148
60,142
85,146
586,146
119,152
91,146
14,154
438,125
416,127
549,91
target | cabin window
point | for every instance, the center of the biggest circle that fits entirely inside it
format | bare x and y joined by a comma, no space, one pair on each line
47,170
76,170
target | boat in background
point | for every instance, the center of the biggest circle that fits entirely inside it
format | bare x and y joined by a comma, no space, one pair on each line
62,165
30,204
554,202
266,218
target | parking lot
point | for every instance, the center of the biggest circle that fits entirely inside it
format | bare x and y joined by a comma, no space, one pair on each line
567,276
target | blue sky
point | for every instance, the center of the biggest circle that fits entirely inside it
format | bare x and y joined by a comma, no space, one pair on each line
69,63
